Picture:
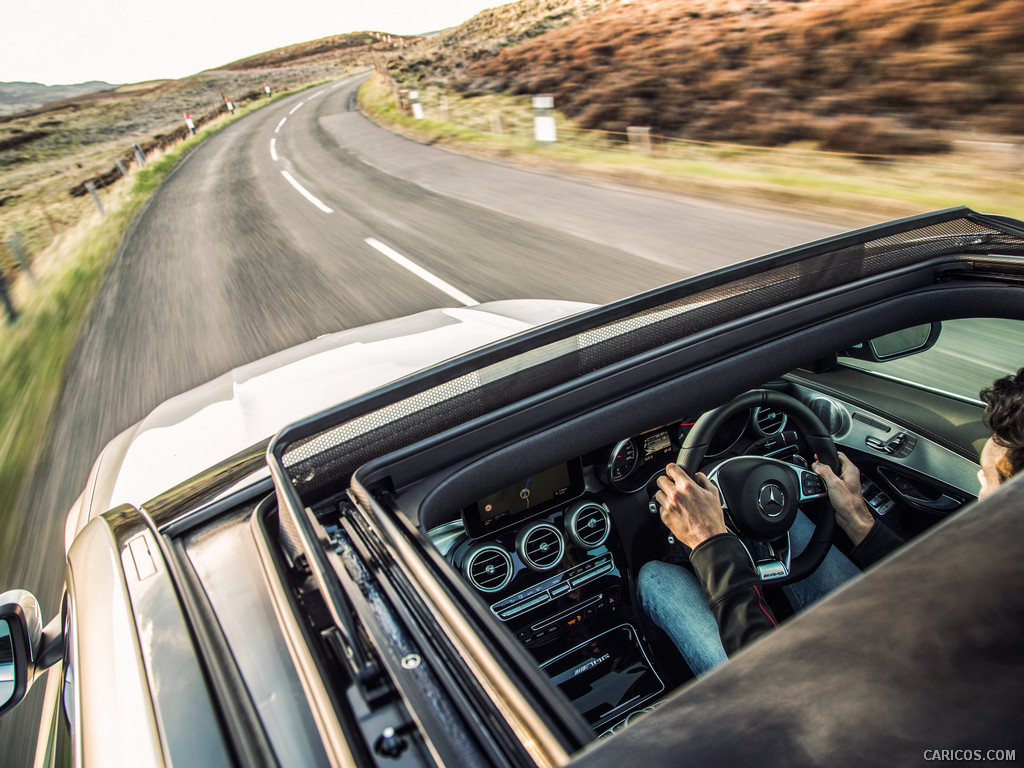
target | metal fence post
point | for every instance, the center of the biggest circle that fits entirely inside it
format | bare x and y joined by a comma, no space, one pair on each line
5,297
91,188
17,247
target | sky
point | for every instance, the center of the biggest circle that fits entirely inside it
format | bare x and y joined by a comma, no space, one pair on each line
63,42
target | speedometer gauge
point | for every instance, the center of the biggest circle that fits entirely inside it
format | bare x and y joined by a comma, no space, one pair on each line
623,460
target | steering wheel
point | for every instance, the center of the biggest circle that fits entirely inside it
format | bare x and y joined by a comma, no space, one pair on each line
760,495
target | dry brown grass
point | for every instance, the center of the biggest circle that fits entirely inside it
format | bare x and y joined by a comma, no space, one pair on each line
882,76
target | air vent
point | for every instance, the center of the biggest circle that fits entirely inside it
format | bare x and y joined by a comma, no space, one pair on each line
588,524
540,546
769,421
488,567
833,416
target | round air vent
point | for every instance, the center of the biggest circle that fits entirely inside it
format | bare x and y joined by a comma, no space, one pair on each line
832,415
540,545
769,421
488,567
588,524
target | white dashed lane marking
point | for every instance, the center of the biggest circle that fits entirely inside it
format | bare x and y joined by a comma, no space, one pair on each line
305,192
421,273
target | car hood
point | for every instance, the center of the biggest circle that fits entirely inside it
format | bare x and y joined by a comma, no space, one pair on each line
194,430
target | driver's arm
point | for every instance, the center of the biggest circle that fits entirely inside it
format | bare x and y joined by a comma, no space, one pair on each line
871,539
691,509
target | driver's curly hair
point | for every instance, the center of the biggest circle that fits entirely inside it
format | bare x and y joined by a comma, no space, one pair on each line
1004,415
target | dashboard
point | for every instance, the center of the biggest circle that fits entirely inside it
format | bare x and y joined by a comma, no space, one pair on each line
554,558
555,555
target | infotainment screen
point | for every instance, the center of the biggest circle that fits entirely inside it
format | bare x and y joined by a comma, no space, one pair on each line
534,494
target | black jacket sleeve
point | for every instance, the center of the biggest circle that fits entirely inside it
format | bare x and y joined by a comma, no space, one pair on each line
734,591
879,542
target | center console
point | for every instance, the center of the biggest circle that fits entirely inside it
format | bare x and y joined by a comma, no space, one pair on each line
543,555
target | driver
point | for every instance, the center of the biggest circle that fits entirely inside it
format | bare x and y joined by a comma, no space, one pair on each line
723,578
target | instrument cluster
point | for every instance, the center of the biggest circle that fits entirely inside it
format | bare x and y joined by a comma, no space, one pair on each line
631,464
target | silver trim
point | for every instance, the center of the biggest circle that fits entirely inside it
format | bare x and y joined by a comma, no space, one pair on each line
611,460
756,412
445,536
572,517
927,458
783,560
476,552
523,542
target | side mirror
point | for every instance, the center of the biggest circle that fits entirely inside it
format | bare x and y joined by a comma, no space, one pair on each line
893,346
26,647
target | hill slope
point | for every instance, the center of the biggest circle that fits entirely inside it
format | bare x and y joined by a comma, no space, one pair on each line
856,75
48,152
21,97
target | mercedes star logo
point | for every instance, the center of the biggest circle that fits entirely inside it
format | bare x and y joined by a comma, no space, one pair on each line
771,500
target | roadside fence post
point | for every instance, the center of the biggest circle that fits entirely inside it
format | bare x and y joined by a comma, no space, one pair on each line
266,89
17,246
544,119
5,297
121,168
91,188
639,139
417,108
191,125
140,156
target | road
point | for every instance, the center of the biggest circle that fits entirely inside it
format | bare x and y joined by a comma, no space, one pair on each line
276,230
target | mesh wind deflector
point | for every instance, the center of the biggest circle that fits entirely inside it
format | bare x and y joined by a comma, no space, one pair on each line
317,457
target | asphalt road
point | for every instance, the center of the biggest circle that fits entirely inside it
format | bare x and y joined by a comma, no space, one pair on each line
233,260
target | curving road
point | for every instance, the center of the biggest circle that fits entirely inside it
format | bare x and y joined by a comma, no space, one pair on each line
305,218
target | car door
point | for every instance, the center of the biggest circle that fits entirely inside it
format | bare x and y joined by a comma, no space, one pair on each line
914,425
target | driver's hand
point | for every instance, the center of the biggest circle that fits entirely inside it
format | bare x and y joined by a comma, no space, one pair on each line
690,507
852,513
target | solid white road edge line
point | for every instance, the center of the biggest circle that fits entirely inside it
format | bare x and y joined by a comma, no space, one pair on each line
273,149
305,193
421,273
283,121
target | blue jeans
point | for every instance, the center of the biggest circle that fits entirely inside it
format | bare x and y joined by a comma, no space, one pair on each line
673,599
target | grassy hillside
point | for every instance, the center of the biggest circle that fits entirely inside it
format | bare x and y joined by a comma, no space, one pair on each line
22,97
871,76
48,153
